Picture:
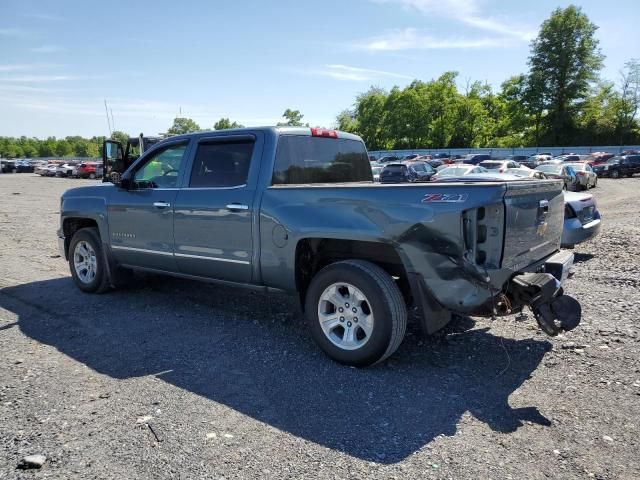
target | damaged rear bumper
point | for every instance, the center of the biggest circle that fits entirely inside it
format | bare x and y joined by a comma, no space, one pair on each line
539,288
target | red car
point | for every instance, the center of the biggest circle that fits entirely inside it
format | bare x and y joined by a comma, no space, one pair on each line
90,170
597,158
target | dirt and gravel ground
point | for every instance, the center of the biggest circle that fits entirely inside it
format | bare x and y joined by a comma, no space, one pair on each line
182,380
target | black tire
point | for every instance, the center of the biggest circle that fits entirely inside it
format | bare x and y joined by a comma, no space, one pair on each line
615,174
92,175
100,282
385,302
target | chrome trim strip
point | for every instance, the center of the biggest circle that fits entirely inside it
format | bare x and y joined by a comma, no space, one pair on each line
142,250
215,259
215,188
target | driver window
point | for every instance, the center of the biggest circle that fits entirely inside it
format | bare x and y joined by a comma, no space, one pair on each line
161,170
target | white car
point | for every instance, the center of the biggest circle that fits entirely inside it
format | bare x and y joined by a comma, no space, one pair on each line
66,170
48,170
375,170
458,169
526,172
586,176
500,165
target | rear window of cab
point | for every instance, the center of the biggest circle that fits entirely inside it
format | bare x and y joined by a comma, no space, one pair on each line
304,159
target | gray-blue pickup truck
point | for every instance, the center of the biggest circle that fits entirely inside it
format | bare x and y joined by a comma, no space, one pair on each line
296,210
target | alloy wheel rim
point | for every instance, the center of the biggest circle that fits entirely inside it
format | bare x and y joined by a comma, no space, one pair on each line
345,316
85,262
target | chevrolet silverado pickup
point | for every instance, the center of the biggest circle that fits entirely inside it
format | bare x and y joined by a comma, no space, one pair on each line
296,210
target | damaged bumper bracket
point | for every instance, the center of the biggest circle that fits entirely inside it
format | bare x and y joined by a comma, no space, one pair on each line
542,292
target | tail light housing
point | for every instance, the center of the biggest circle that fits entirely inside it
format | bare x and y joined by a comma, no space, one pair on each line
323,132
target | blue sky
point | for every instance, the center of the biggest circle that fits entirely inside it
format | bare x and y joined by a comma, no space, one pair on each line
250,60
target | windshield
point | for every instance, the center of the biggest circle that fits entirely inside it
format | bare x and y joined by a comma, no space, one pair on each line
578,166
420,167
614,160
395,168
549,168
491,165
453,171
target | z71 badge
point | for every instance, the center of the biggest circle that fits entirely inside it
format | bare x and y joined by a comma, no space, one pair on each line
444,198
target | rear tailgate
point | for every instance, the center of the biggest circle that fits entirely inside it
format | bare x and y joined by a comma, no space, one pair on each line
534,215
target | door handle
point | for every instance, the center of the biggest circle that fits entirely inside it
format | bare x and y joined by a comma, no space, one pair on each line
237,206
161,204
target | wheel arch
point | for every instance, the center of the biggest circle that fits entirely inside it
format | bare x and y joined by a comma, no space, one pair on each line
314,253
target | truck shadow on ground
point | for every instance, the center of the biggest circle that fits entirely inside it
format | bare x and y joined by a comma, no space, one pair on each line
251,352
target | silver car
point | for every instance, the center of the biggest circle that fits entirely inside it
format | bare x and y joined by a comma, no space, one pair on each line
586,176
581,218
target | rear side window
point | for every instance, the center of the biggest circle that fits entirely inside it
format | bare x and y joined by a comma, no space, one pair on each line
303,159
221,164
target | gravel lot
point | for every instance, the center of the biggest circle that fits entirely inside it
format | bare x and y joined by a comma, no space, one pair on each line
176,379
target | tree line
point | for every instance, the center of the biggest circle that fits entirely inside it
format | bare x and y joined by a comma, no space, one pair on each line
561,100
75,146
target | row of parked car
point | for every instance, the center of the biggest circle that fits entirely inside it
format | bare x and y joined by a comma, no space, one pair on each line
582,218
72,169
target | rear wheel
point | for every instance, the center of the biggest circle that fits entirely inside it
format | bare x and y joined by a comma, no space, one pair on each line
92,175
86,261
356,313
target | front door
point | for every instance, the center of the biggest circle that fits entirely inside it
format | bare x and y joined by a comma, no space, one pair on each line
141,217
214,211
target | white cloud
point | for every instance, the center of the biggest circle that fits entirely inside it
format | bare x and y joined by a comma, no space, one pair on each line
413,39
12,32
467,12
24,66
349,73
47,49
44,16
43,78
14,68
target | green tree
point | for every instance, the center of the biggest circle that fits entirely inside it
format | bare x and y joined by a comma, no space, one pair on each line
63,148
120,136
628,102
598,121
347,121
225,124
183,125
293,119
370,112
565,57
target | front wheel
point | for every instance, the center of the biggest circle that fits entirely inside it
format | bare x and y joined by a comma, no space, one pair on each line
355,312
86,261
92,176
615,174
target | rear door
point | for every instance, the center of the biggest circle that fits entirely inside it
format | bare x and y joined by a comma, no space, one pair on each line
214,212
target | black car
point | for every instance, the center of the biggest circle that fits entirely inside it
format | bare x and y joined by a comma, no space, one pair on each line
476,158
8,166
436,162
407,172
620,166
